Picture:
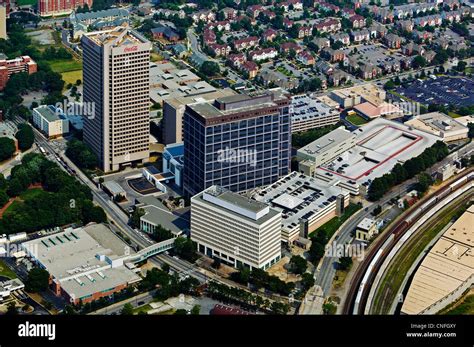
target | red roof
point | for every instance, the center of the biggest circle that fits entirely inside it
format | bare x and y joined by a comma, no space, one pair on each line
226,310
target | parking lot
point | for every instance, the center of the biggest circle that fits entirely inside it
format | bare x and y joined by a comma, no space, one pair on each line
457,91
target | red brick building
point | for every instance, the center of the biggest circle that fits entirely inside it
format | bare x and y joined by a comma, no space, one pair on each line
55,7
9,67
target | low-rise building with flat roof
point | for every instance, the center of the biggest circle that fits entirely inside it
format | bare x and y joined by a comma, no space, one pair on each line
324,149
85,264
305,202
352,96
308,113
366,229
446,272
439,124
237,230
51,121
156,214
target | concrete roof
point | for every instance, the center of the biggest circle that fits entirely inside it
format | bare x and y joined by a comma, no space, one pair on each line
324,143
48,112
73,257
156,213
449,263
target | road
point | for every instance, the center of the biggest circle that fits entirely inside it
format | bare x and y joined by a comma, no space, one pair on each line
325,276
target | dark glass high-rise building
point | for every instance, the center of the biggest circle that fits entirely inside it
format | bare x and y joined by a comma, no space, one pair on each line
238,142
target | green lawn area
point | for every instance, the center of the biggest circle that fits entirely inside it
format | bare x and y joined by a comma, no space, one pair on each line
31,193
335,223
26,2
72,76
5,270
356,119
466,307
284,71
454,115
65,65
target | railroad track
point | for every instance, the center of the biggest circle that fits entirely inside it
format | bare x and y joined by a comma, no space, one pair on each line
365,274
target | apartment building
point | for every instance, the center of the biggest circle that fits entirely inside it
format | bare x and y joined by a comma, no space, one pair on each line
237,230
116,79
51,121
17,65
239,142
60,7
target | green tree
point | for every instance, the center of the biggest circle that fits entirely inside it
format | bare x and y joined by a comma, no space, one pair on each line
298,264
37,281
135,218
3,198
307,280
196,310
127,310
25,137
345,263
7,148
185,248
210,68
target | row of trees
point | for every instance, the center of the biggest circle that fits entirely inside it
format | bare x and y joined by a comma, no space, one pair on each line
168,285
81,154
299,140
61,202
242,297
407,170
261,279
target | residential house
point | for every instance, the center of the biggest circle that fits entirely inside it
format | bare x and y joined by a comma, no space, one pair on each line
245,43
322,42
263,54
251,68
392,41
359,36
220,50
305,58
229,13
288,46
344,38
269,34
333,55
357,21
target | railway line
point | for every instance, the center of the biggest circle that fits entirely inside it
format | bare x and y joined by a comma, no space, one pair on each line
364,277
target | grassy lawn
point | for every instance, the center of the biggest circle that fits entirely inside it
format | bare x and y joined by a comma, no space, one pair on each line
356,119
465,307
65,65
31,193
284,71
454,115
5,270
335,223
26,2
13,207
72,76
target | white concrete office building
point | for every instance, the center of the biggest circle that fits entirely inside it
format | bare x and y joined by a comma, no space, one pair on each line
51,121
237,230
325,148
116,79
